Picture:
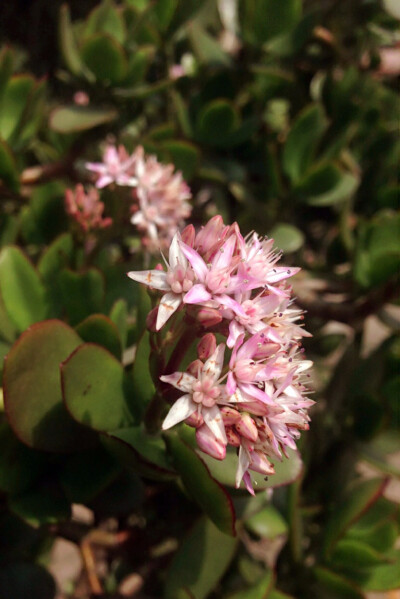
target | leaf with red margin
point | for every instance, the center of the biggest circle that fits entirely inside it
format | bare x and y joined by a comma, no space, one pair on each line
357,501
32,390
96,390
202,487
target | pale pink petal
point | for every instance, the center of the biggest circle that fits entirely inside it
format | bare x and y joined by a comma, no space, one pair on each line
176,256
209,444
254,391
169,304
235,331
197,262
247,482
197,295
96,167
243,464
103,181
214,364
229,302
280,273
231,384
152,278
276,291
213,419
180,380
182,409
223,257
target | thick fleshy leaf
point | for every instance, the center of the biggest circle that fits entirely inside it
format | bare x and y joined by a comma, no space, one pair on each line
216,122
143,385
184,155
286,471
282,17
268,523
302,141
354,555
119,316
8,168
164,11
200,562
42,504
8,331
287,237
355,504
14,102
145,452
337,585
206,49
261,590
381,578
326,184
21,288
96,390
32,390
73,119
44,217
138,64
201,486
105,57
84,475
99,329
19,465
68,44
55,257
82,293
106,18
381,537
20,580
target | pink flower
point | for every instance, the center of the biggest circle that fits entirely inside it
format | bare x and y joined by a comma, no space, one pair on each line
201,395
86,209
115,168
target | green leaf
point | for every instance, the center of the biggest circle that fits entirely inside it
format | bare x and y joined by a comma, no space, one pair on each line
261,590
356,502
146,453
138,64
44,218
22,290
42,504
201,486
268,523
105,57
381,538
99,329
20,580
384,577
286,471
8,169
200,562
350,554
55,257
326,185
141,375
96,390
82,293
68,44
86,474
337,585
19,466
216,122
14,102
32,390
106,18
164,11
184,155
119,316
301,143
205,47
73,119
263,20
8,332
287,237
7,57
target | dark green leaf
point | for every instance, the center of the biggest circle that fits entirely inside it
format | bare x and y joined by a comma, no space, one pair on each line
99,329
287,237
32,391
21,580
73,119
105,57
268,523
350,554
201,486
184,155
96,389
200,562
259,591
8,169
206,49
106,18
42,504
68,44
337,585
141,375
216,122
119,316
384,577
263,20
21,288
14,102
82,293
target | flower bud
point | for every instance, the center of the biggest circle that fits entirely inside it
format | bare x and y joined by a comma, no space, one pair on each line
151,320
195,420
247,427
206,346
159,266
209,444
229,415
209,317
260,463
188,235
209,235
233,437
195,367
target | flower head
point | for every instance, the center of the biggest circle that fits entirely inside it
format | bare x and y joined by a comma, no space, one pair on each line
86,209
116,167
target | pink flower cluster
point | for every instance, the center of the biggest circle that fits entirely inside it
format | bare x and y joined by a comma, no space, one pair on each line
160,195
86,208
256,399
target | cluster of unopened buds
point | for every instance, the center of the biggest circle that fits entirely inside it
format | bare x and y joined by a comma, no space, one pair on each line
159,197
249,391
86,209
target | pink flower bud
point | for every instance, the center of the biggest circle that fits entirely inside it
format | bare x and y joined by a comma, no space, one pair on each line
151,320
259,463
247,427
159,266
195,420
233,437
209,317
209,444
229,415
206,346
195,367
188,235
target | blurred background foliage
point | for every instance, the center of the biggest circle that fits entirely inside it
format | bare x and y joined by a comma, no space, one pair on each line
284,116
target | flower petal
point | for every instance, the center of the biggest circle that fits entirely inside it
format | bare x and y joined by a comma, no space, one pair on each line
180,380
176,256
223,257
197,262
235,330
152,278
213,419
280,273
182,409
214,364
231,384
243,464
197,294
254,391
169,304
